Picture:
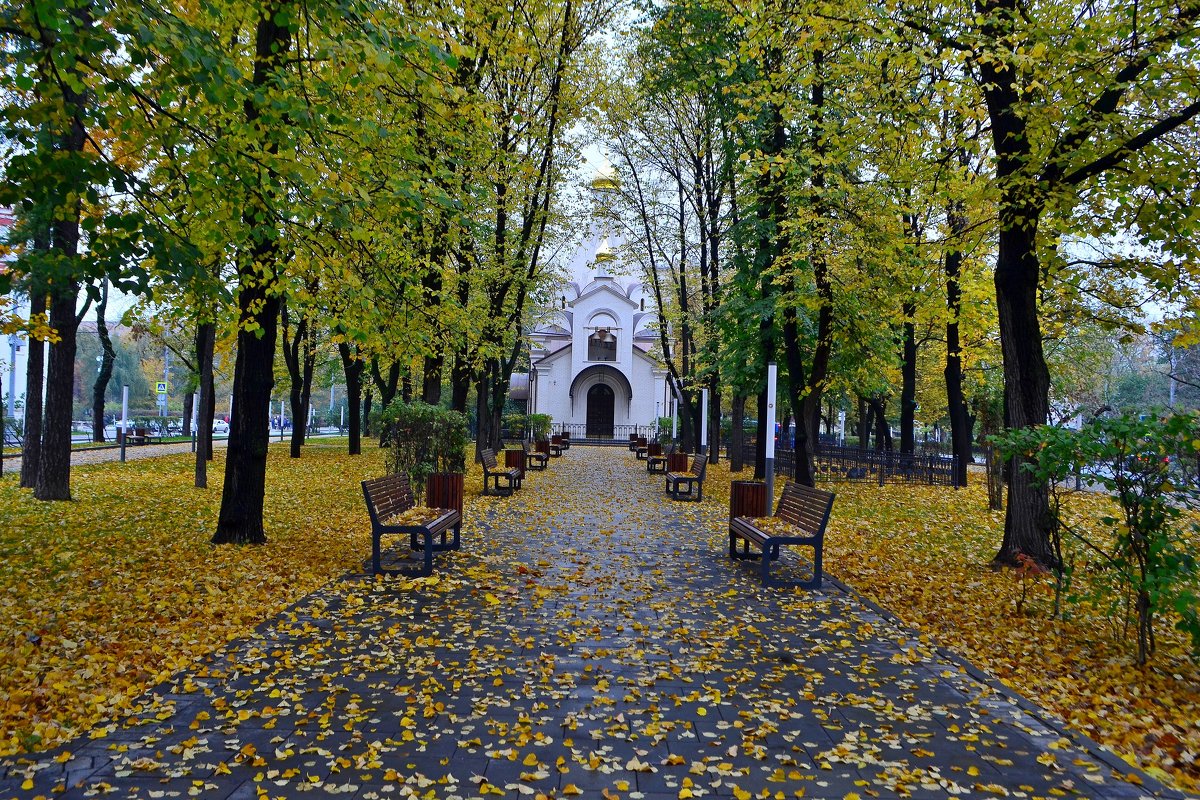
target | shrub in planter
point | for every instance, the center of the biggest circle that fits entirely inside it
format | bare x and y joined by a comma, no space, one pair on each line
539,425
513,424
408,433
451,435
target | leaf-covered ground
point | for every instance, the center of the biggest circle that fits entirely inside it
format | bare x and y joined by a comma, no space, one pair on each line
118,589
114,592
923,553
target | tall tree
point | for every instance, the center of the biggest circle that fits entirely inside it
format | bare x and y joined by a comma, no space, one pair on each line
241,516
1083,117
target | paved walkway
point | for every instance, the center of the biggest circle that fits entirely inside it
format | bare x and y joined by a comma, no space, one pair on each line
604,647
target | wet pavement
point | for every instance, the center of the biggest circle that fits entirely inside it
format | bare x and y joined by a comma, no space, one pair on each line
591,639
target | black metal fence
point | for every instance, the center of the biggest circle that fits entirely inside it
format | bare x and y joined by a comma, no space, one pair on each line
578,432
833,463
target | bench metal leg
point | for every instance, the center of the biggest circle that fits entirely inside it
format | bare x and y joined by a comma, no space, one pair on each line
443,545
744,554
424,570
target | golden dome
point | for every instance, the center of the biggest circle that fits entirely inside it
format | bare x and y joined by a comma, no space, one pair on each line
604,252
605,179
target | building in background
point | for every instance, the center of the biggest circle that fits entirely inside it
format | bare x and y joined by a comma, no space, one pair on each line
14,347
594,367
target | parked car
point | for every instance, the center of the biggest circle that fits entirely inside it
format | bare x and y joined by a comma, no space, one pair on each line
220,426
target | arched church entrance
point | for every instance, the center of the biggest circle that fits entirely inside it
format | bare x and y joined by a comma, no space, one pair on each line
600,405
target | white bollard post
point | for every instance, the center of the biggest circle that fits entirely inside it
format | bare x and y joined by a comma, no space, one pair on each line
124,418
703,421
769,467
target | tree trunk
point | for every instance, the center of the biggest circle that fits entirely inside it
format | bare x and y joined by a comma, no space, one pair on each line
352,367
737,434
460,385
387,385
714,419
310,366
54,473
1028,521
188,411
431,383
961,423
366,411
206,335
100,388
35,367
908,383
487,415
864,423
296,401
482,419
689,419
299,358
760,433
241,517
883,431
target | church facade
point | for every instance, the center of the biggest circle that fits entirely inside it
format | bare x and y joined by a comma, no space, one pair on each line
594,367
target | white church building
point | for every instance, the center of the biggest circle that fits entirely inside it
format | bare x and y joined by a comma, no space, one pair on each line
594,364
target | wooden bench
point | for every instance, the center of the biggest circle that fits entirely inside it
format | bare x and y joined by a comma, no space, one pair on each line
657,462
688,485
137,436
390,496
556,446
537,457
494,473
800,518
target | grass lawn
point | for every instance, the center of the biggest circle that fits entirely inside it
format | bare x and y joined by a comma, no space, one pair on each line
111,593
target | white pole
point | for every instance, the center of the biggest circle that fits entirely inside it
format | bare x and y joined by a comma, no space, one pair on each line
281,420
13,345
162,399
124,418
703,421
674,420
769,471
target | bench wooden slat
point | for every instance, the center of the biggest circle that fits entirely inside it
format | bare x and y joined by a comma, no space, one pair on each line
682,486
492,472
536,458
805,511
391,495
